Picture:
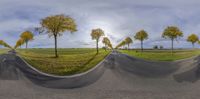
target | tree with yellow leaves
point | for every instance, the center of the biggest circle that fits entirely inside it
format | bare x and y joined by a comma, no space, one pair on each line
56,25
128,41
96,35
27,36
107,43
5,44
141,36
121,44
193,38
19,42
172,32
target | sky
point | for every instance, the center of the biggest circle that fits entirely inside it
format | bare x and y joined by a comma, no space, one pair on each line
118,18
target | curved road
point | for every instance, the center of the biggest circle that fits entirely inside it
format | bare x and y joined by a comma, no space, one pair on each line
124,77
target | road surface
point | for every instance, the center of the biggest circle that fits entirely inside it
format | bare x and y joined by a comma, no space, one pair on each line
123,77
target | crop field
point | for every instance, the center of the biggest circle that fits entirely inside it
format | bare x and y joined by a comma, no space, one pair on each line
70,61
162,55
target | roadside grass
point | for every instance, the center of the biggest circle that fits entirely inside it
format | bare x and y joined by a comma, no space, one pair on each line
4,50
70,61
162,55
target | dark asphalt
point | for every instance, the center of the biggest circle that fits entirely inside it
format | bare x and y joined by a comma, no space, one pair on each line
123,77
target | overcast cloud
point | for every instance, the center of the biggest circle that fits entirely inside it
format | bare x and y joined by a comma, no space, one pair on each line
118,18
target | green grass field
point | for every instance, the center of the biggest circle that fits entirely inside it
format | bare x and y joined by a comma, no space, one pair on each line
162,55
4,50
70,61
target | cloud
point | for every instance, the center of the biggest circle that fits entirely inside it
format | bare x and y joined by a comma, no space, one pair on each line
118,19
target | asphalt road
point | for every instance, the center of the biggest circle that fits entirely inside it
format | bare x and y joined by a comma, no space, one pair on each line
124,77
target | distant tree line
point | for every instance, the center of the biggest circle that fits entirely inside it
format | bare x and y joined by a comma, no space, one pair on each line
171,32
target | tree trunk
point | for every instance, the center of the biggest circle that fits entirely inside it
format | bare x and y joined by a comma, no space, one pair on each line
26,44
193,45
97,47
105,47
128,46
55,39
172,49
142,45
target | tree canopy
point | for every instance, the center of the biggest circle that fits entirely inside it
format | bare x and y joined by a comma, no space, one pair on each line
3,43
27,36
193,38
141,35
128,40
97,33
122,43
57,24
19,42
107,42
172,32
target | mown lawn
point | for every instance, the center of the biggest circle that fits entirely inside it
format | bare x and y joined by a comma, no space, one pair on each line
162,55
70,61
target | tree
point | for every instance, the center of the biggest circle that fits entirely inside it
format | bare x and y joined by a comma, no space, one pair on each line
172,32
128,41
56,25
106,42
5,44
27,36
193,38
141,35
121,44
96,35
155,47
19,42
161,47
110,46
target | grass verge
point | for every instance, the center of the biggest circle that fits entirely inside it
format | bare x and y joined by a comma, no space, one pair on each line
70,61
4,50
162,55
